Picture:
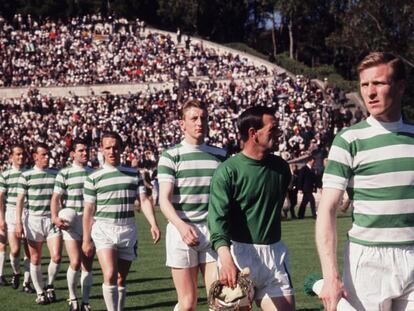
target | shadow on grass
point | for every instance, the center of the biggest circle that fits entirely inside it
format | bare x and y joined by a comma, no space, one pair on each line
144,280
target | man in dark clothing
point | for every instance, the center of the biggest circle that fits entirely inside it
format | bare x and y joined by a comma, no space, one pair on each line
307,185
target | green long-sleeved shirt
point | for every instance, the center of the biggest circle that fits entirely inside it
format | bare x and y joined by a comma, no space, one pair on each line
246,198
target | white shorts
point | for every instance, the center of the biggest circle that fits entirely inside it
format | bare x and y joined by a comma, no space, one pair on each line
180,255
379,278
11,218
40,228
75,232
269,268
122,238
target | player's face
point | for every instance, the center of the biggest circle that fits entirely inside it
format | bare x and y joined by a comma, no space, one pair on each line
18,157
80,155
41,157
194,125
111,151
382,95
266,137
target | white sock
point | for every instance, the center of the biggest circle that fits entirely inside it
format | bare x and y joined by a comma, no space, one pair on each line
86,285
121,297
26,263
72,277
37,278
110,293
15,264
2,260
52,271
176,307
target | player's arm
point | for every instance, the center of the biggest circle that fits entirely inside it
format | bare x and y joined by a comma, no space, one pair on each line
148,210
326,241
54,208
87,222
19,212
218,225
187,231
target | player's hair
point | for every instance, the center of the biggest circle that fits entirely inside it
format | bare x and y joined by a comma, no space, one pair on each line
40,145
77,141
113,135
378,58
16,145
252,118
195,103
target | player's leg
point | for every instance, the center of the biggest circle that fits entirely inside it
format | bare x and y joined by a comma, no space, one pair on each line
3,243
72,274
184,263
15,243
27,288
123,270
108,260
185,282
277,303
86,280
35,250
54,244
209,272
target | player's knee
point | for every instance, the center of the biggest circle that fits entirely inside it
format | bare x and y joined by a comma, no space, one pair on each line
56,258
110,277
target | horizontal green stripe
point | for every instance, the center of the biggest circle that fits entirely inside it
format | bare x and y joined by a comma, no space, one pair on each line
116,215
116,174
74,197
386,166
380,141
192,190
198,156
382,194
41,197
165,170
117,187
42,186
195,173
11,194
338,169
340,142
380,243
39,208
87,191
116,201
384,221
75,186
191,207
76,174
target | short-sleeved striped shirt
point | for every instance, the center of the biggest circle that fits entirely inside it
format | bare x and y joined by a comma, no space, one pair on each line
114,191
37,185
374,162
69,184
190,168
8,185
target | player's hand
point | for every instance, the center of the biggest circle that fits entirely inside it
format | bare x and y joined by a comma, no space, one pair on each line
3,226
156,234
19,230
189,234
87,248
332,291
60,223
228,271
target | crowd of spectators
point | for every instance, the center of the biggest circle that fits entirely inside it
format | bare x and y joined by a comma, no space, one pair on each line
95,50
148,120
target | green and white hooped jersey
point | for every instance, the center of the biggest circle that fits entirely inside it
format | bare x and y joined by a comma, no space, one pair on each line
8,185
37,185
374,162
190,168
69,184
113,190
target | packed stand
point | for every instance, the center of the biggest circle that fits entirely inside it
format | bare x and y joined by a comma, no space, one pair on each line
148,121
96,50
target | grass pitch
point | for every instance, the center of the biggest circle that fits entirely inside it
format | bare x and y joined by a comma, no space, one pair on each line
149,285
